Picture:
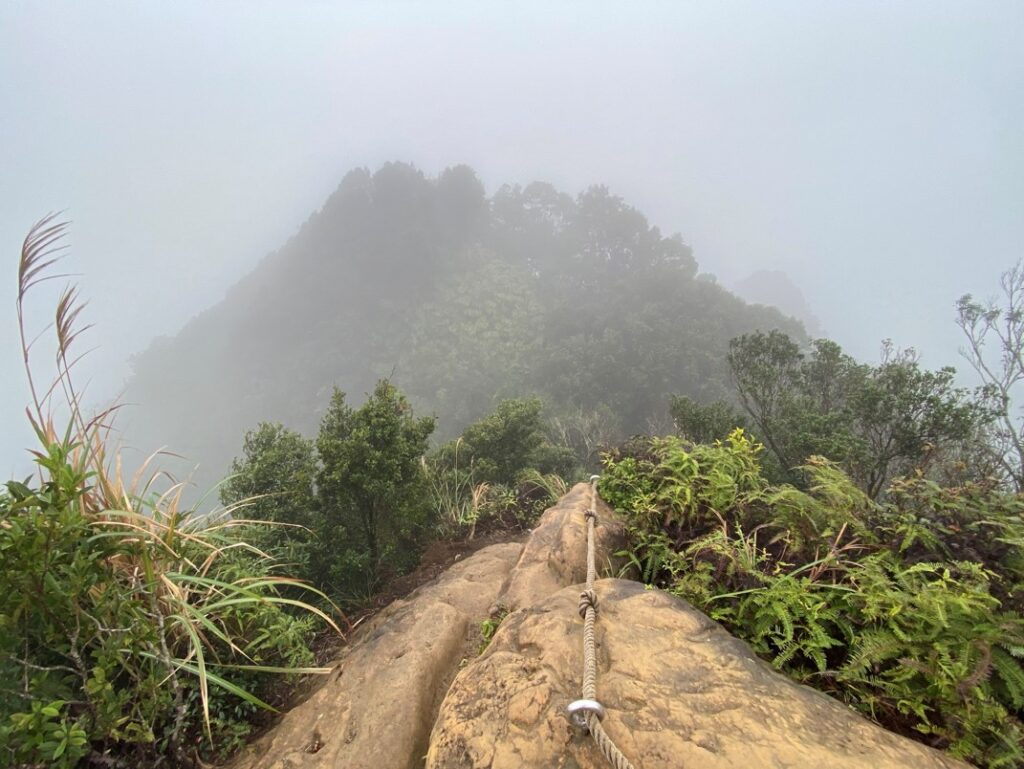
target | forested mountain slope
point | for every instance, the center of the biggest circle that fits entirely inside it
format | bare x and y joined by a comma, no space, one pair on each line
460,299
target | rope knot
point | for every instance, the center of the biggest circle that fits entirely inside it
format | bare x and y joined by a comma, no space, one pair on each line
588,600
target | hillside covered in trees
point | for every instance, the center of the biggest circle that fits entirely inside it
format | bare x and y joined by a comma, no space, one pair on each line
458,298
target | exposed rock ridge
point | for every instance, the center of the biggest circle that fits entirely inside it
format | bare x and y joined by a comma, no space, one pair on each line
679,690
377,708
555,555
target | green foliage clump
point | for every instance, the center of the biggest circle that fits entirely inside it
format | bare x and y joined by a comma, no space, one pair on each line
355,506
911,611
131,631
489,627
350,508
877,422
503,468
703,422
511,439
373,504
273,481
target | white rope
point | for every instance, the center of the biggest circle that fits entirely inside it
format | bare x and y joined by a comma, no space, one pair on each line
588,711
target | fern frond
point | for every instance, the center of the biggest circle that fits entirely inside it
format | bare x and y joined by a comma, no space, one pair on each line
1011,674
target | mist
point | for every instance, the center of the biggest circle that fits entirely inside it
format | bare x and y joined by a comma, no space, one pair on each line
872,152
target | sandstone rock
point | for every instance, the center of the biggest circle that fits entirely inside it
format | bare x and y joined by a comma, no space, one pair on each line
679,692
377,708
555,555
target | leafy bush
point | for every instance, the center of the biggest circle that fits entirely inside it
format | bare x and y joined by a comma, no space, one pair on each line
510,440
373,508
503,468
704,422
910,611
877,422
273,481
141,629
130,631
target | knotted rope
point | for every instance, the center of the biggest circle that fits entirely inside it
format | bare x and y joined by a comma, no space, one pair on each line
588,711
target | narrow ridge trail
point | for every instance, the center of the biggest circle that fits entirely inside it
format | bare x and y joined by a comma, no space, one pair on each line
411,690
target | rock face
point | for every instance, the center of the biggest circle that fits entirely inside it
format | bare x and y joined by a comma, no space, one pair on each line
555,555
679,691
377,708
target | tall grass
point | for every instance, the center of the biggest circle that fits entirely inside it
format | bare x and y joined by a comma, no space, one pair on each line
130,626
456,497
462,501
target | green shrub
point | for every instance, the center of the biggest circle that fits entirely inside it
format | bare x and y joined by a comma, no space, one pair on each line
273,482
704,422
130,631
877,422
910,611
501,470
141,629
373,506
45,733
507,442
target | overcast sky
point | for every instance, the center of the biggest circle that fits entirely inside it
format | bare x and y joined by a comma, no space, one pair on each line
873,151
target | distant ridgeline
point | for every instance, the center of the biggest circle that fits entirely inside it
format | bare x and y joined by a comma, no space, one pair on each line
461,300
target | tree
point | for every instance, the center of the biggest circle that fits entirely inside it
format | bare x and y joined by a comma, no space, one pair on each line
508,441
274,479
276,471
370,487
903,415
878,422
1001,369
704,422
765,370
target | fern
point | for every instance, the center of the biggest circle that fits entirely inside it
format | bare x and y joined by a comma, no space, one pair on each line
909,611
1011,675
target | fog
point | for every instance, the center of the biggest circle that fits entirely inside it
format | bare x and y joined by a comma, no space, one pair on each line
873,152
